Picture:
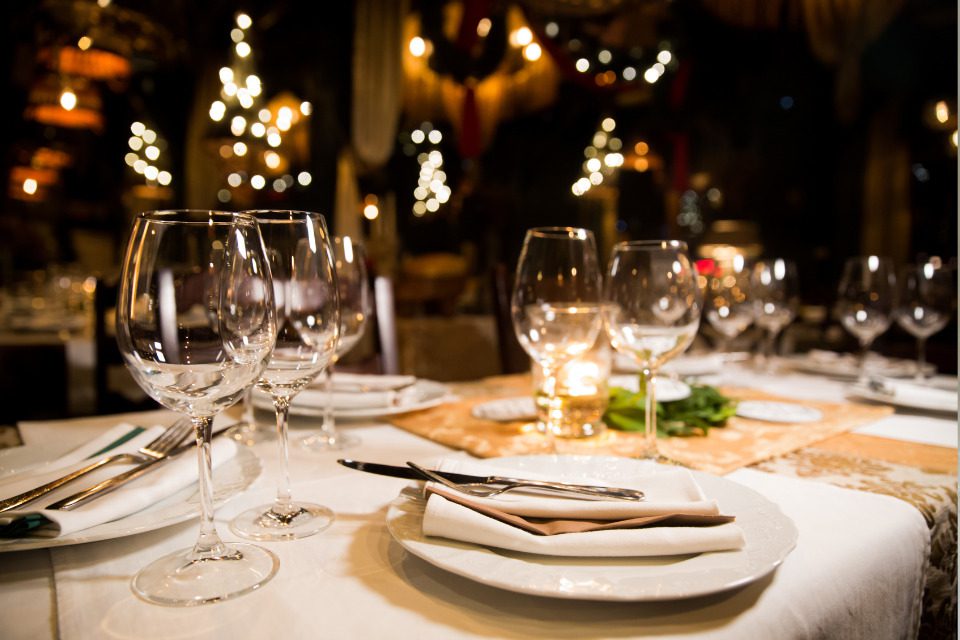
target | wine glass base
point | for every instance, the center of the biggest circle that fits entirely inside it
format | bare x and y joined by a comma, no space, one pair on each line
262,523
249,434
182,580
320,442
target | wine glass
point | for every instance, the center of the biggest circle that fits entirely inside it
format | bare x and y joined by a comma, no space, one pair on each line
555,307
729,306
865,300
652,306
248,432
354,310
774,288
308,325
926,297
196,325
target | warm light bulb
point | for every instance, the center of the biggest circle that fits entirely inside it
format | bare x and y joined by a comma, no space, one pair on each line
84,43
244,21
68,99
30,186
532,52
370,212
418,46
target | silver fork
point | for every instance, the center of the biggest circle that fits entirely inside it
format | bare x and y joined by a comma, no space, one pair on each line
583,492
155,449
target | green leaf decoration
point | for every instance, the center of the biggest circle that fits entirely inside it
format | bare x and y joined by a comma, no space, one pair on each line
694,415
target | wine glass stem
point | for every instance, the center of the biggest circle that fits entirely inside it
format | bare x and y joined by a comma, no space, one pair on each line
864,349
208,543
921,358
648,387
283,505
329,427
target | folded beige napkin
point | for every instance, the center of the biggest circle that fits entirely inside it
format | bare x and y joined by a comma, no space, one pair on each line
669,521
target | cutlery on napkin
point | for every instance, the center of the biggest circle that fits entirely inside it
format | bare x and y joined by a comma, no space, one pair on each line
167,479
671,494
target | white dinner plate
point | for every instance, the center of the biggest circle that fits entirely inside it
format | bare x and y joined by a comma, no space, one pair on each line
846,366
229,479
770,536
423,394
777,411
908,395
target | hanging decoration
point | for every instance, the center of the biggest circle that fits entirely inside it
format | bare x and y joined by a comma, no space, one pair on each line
603,158
432,191
146,158
615,47
258,143
473,64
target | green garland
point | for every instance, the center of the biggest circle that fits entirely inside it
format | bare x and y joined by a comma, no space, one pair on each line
705,407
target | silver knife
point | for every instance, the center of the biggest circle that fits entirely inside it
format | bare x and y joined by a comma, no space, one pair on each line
464,478
115,482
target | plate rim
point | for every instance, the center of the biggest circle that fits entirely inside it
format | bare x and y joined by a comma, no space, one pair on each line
244,456
441,390
420,544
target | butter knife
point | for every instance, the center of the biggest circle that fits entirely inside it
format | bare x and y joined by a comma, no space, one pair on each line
594,491
115,482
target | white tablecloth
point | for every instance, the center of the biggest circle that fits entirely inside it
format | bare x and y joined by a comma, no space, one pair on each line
857,571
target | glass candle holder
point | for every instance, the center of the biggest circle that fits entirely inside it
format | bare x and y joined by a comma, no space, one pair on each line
571,403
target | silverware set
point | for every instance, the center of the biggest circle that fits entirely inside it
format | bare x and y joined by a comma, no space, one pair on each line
165,447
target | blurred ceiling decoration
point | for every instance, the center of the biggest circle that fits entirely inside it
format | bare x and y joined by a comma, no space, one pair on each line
258,144
95,64
622,48
377,79
124,32
453,73
72,103
838,32
35,172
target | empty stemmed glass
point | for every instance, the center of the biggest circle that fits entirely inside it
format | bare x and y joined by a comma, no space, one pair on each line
652,306
865,299
354,311
555,306
728,304
196,325
926,297
774,289
308,324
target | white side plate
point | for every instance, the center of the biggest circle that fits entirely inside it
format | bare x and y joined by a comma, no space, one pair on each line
229,479
777,411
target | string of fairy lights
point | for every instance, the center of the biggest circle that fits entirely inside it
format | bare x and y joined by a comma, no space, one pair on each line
146,141
602,158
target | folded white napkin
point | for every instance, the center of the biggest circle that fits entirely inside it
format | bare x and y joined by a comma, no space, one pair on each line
82,452
667,492
922,396
345,381
315,398
143,492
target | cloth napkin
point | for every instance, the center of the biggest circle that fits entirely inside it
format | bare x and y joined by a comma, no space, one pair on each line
108,440
33,520
345,381
310,397
922,395
668,493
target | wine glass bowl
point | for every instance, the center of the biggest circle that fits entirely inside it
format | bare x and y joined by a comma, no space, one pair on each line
355,308
196,326
652,307
776,298
865,299
926,299
555,307
308,321
728,304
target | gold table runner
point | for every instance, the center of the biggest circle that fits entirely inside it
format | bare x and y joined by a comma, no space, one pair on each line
740,443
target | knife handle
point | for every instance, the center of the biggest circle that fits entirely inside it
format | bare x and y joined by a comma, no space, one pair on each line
37,492
106,486
594,490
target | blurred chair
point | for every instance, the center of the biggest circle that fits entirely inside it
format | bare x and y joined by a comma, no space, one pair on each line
431,283
115,389
513,359
386,319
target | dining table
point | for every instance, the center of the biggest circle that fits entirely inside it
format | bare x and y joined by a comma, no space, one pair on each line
872,497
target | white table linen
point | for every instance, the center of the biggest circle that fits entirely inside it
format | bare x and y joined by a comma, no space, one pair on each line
857,570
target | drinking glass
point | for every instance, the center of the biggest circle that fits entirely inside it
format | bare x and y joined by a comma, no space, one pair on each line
308,319
926,297
555,307
865,299
196,325
355,305
728,304
248,432
774,288
652,306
